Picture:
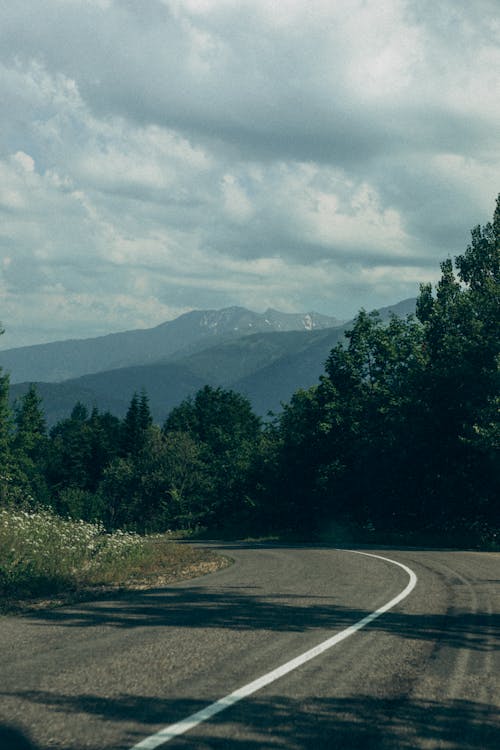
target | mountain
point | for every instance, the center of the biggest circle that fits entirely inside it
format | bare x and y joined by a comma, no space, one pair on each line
267,367
238,364
400,309
193,331
275,383
166,385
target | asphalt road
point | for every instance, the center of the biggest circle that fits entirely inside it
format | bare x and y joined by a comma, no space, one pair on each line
425,674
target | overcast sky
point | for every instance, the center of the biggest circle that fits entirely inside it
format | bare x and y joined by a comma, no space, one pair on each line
162,155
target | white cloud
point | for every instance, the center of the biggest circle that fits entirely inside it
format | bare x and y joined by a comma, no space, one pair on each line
156,157
237,205
25,160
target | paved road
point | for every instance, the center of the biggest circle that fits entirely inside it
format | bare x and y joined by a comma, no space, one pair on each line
424,675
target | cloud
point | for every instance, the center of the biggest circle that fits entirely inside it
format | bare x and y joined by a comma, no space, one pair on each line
188,153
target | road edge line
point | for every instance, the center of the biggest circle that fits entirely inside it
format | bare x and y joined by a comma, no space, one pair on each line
181,727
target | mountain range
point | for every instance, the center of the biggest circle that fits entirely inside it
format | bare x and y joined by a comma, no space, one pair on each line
265,356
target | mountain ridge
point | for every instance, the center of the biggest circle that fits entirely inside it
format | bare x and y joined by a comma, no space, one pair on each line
267,367
70,358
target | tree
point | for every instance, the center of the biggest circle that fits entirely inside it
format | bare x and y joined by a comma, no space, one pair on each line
5,438
170,481
119,491
187,482
222,424
30,445
30,423
402,431
104,435
137,422
362,452
460,388
5,426
70,452
145,417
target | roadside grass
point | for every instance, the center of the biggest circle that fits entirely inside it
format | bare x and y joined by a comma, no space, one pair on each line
44,556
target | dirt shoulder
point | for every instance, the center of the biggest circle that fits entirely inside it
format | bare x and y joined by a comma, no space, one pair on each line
199,562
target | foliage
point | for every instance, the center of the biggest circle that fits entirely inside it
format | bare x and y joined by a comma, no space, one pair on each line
29,446
41,553
5,427
137,422
400,436
222,424
41,549
459,393
402,431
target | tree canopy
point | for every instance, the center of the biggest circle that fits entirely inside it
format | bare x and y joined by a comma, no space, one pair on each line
400,434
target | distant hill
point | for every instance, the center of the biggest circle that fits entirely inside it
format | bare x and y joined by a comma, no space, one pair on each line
166,385
62,360
401,309
271,386
266,367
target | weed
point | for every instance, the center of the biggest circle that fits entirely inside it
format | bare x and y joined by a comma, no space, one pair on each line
42,554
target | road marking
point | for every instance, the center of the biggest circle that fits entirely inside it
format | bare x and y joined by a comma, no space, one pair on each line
174,730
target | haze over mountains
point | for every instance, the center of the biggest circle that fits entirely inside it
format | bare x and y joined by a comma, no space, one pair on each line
266,356
192,331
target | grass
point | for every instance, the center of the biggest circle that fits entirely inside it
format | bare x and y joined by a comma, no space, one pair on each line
44,556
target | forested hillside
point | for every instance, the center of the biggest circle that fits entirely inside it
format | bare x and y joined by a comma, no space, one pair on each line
400,434
267,367
191,332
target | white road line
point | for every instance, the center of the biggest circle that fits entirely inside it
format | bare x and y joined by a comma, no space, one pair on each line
174,730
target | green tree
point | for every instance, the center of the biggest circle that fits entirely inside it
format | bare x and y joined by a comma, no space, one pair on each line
69,453
460,389
171,481
137,422
187,482
402,431
290,456
222,424
344,446
145,417
370,390
119,491
6,465
5,426
80,450
104,435
30,445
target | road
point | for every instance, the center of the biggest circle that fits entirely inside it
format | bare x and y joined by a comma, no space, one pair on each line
106,675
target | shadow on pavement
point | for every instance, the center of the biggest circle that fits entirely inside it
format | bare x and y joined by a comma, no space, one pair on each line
279,723
13,738
241,608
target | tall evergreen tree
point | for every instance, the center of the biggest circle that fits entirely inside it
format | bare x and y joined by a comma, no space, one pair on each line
5,426
5,436
30,423
136,424
104,434
145,417
70,451
30,445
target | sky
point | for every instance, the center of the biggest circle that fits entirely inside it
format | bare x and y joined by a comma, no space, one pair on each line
158,156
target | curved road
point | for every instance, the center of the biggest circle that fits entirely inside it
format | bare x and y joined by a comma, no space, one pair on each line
423,675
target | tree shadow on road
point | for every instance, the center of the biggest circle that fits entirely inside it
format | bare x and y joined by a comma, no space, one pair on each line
282,723
14,738
242,608
279,722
